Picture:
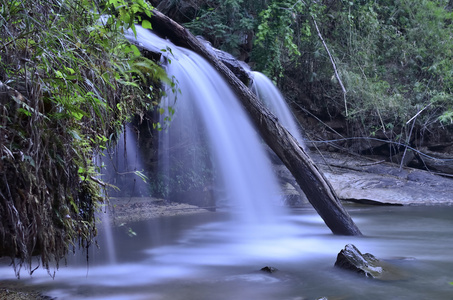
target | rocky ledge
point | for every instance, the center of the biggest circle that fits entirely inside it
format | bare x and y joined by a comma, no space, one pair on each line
20,293
133,209
364,180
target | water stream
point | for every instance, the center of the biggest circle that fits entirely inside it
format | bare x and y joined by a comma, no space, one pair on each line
193,257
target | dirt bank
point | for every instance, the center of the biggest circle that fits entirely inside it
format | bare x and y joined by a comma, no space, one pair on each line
133,209
10,293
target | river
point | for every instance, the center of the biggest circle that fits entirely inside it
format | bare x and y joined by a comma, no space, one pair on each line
200,257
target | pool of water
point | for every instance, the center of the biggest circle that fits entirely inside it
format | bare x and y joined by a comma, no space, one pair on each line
209,256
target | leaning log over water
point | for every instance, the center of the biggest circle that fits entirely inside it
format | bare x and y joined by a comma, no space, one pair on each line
318,191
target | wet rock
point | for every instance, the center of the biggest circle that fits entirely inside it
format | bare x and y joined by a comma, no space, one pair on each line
350,258
238,67
135,209
268,269
291,196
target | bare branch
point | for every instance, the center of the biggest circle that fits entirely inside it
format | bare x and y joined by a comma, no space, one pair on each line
333,65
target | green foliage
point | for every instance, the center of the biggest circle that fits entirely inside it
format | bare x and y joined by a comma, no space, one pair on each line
282,25
393,57
227,25
72,80
396,58
276,29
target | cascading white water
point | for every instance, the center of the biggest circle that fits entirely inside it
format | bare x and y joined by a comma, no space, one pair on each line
269,94
206,105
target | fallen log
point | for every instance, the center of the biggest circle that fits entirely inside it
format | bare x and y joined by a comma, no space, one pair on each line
312,182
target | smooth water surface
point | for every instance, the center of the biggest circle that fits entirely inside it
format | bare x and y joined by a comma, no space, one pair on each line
196,257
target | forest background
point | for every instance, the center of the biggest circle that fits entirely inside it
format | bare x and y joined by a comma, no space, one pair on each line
368,70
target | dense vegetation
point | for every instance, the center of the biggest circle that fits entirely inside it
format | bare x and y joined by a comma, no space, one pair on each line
68,82
383,67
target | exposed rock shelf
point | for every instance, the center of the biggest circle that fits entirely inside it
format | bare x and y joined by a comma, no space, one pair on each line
363,180
133,209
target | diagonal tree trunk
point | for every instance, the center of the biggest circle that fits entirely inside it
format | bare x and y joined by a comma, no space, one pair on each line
317,189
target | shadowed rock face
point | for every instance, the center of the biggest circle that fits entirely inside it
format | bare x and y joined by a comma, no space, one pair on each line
350,258
268,269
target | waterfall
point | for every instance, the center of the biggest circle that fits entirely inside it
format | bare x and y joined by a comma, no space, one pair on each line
269,94
206,109
121,164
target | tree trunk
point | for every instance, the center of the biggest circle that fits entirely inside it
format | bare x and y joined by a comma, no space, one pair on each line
318,191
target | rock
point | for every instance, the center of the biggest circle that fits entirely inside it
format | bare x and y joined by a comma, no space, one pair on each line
25,294
268,269
350,258
358,179
135,209
435,161
292,197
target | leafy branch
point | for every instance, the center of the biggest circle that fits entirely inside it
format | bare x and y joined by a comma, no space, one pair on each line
70,80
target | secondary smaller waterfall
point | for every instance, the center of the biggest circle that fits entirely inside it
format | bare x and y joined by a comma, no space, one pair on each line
122,164
269,94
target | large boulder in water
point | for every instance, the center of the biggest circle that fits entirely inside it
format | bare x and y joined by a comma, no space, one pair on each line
350,258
